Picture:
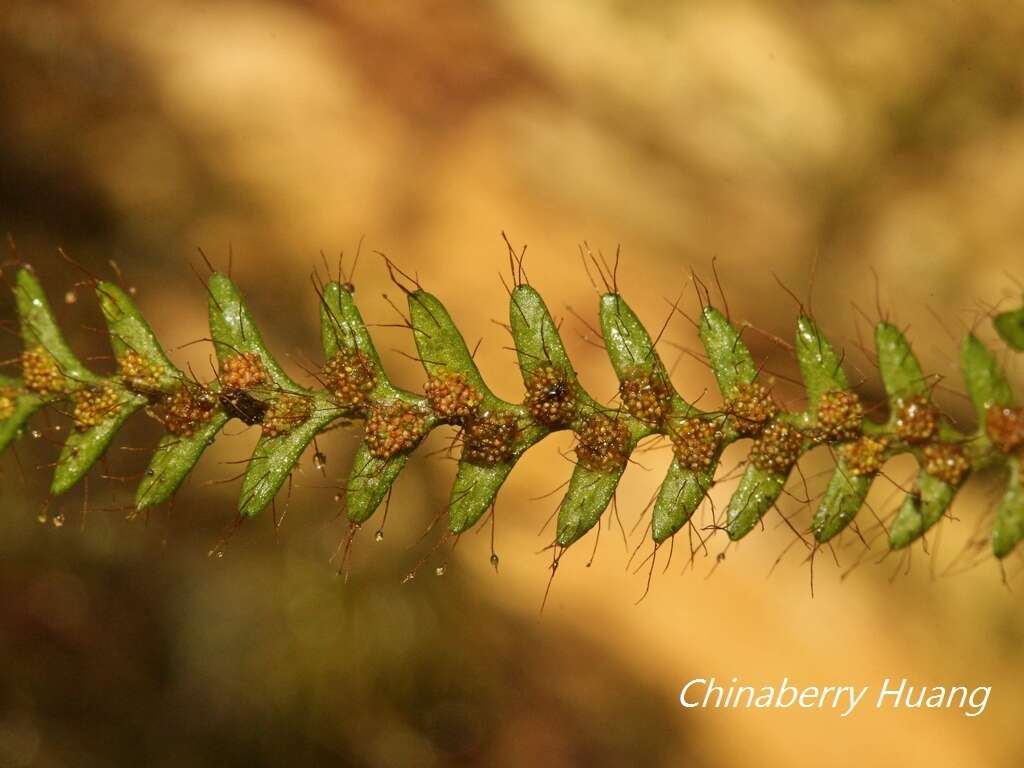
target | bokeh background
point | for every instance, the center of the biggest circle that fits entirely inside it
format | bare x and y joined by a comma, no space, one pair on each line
869,156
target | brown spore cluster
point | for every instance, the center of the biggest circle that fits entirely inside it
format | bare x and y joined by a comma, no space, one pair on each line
778,447
452,397
93,405
242,371
350,378
139,374
41,373
646,395
8,402
839,416
916,419
695,442
284,413
550,396
603,443
393,429
1005,427
864,456
751,407
185,410
946,462
490,438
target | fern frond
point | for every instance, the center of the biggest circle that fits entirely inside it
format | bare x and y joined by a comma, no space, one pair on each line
254,388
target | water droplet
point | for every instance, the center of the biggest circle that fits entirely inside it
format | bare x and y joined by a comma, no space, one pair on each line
319,460
41,518
409,576
58,520
337,497
439,571
378,536
150,472
36,434
132,290
70,297
494,561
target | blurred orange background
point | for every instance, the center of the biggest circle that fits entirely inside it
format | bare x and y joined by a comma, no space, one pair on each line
864,155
